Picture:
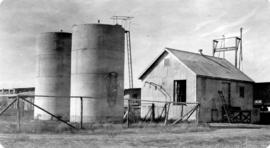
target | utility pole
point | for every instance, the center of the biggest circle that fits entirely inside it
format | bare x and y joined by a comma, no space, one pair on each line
241,46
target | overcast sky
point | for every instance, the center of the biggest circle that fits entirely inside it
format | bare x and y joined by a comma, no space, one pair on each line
182,24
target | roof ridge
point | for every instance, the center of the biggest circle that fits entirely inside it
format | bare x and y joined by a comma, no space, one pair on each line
216,60
178,50
221,69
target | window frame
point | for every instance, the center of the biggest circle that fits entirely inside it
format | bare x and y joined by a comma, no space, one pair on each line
178,100
242,92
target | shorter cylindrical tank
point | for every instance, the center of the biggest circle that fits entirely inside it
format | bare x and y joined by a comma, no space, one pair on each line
53,66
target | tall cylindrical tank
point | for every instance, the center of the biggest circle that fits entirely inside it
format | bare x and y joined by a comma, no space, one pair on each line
53,74
97,70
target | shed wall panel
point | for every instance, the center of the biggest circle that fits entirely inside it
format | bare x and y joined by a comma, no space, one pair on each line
208,97
164,73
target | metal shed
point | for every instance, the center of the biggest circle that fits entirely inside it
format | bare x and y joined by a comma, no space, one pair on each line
192,77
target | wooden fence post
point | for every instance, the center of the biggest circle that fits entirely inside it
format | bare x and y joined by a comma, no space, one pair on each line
153,112
165,117
18,115
182,110
165,110
128,110
197,114
167,113
81,112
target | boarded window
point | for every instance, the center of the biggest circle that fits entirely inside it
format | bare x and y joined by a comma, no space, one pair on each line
179,91
242,92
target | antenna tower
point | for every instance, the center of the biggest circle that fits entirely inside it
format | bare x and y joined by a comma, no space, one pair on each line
235,45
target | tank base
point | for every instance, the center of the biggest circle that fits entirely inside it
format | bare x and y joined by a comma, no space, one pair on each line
96,119
38,116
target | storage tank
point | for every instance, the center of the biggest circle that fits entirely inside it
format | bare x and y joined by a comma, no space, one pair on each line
97,70
53,74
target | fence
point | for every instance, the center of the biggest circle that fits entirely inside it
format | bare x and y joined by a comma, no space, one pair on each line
160,111
16,103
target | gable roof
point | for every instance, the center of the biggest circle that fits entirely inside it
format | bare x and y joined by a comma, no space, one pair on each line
203,65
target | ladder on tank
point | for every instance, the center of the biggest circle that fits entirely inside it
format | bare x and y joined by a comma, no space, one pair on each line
129,57
225,107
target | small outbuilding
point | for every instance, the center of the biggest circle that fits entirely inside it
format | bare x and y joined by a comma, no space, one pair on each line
186,78
262,101
134,94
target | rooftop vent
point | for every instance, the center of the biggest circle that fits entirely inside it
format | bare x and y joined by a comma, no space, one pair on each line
200,51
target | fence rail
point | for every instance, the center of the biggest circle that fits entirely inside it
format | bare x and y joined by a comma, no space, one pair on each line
127,115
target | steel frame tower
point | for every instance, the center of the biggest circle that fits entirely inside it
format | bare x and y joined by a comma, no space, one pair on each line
238,46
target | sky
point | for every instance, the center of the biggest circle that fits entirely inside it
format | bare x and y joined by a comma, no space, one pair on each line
182,24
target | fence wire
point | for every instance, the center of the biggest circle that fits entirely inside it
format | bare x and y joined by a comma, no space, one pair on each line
17,112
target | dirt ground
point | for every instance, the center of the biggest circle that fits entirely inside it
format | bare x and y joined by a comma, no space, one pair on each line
158,136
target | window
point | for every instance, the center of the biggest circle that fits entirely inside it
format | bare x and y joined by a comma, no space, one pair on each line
242,92
135,96
179,88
